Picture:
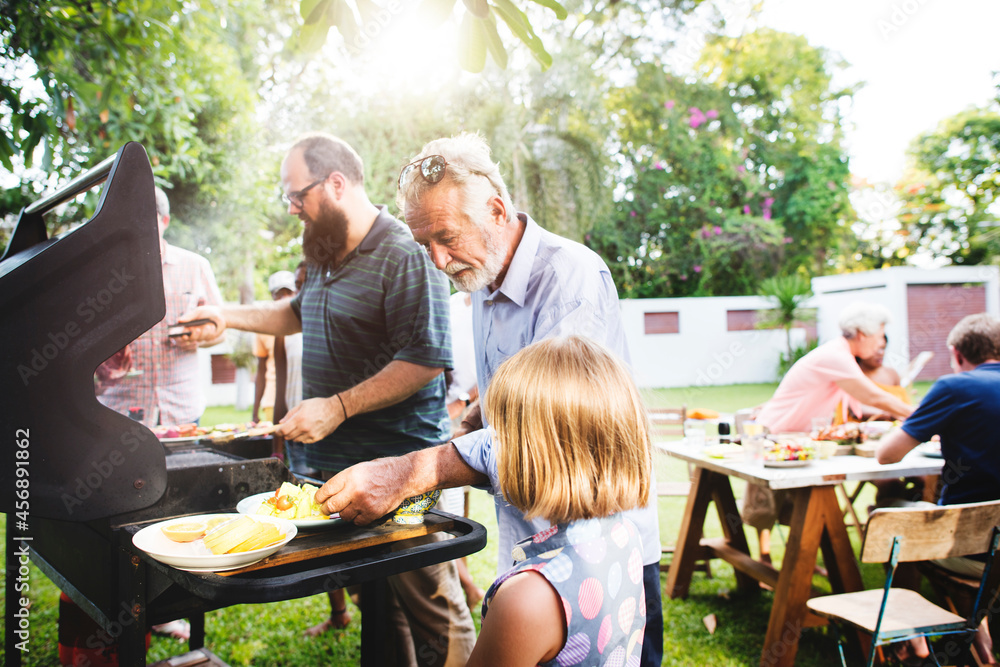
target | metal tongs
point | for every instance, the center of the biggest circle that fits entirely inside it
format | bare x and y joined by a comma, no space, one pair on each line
182,328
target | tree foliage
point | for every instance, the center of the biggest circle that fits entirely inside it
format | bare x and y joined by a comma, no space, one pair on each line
951,193
478,34
787,294
180,77
728,177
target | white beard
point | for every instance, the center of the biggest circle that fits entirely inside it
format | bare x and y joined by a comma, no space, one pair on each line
476,279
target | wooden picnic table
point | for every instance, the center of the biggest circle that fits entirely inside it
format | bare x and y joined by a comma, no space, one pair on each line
817,523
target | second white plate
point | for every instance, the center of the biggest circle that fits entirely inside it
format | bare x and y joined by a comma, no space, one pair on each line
786,464
251,504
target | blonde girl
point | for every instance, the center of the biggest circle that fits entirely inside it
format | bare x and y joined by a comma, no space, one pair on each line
573,448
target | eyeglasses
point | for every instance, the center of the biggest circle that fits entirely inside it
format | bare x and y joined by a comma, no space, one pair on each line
432,168
297,197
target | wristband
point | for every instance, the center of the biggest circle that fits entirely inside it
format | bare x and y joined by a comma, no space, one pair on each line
342,406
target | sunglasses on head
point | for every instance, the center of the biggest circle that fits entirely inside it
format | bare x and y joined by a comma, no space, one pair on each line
432,168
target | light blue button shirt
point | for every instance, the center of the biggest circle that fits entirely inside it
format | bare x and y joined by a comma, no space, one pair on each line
553,287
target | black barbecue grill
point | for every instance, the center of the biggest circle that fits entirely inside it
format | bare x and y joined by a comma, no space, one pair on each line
79,480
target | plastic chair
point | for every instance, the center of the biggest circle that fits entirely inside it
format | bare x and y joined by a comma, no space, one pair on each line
897,535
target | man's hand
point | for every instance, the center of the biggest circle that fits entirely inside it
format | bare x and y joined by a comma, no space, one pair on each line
184,343
366,491
312,420
204,332
473,421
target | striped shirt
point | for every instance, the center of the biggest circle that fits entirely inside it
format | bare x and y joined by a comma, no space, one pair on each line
384,302
169,386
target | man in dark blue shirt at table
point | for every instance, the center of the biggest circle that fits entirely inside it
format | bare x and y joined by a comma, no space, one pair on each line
962,409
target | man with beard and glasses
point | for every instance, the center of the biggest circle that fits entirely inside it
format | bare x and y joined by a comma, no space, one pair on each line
527,284
374,315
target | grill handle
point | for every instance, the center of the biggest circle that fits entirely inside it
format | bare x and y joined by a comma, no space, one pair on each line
81,183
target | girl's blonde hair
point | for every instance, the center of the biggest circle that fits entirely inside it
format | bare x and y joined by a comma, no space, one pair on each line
572,430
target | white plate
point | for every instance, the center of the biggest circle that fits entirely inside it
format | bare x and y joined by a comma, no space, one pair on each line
195,556
786,464
876,429
251,504
931,449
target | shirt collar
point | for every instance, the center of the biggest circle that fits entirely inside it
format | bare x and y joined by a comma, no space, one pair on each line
383,221
515,283
371,241
169,254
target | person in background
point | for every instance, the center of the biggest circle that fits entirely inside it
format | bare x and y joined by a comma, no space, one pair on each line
815,386
886,377
160,383
527,284
577,458
889,491
374,318
962,409
463,391
272,374
165,383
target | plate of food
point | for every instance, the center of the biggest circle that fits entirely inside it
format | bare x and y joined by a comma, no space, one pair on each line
214,542
787,464
789,454
723,450
843,434
876,429
291,503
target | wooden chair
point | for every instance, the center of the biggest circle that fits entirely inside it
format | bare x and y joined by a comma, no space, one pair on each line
897,535
668,424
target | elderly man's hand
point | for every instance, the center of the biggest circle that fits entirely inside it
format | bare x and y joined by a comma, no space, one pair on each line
312,420
204,332
366,491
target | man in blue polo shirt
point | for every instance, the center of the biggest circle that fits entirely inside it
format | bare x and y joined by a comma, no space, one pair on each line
374,314
962,409
527,284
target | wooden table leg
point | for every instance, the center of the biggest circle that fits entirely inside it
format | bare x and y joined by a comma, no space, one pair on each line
707,486
816,520
689,540
732,527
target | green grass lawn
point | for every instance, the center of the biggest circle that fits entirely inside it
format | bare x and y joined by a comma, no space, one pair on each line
271,634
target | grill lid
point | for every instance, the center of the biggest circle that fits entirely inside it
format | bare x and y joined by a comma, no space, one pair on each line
69,303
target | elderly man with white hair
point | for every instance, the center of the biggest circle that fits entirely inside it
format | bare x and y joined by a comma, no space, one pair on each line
829,375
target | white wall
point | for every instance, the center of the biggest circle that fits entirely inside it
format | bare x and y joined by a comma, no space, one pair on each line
703,352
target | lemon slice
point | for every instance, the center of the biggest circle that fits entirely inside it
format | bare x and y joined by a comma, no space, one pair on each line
188,531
